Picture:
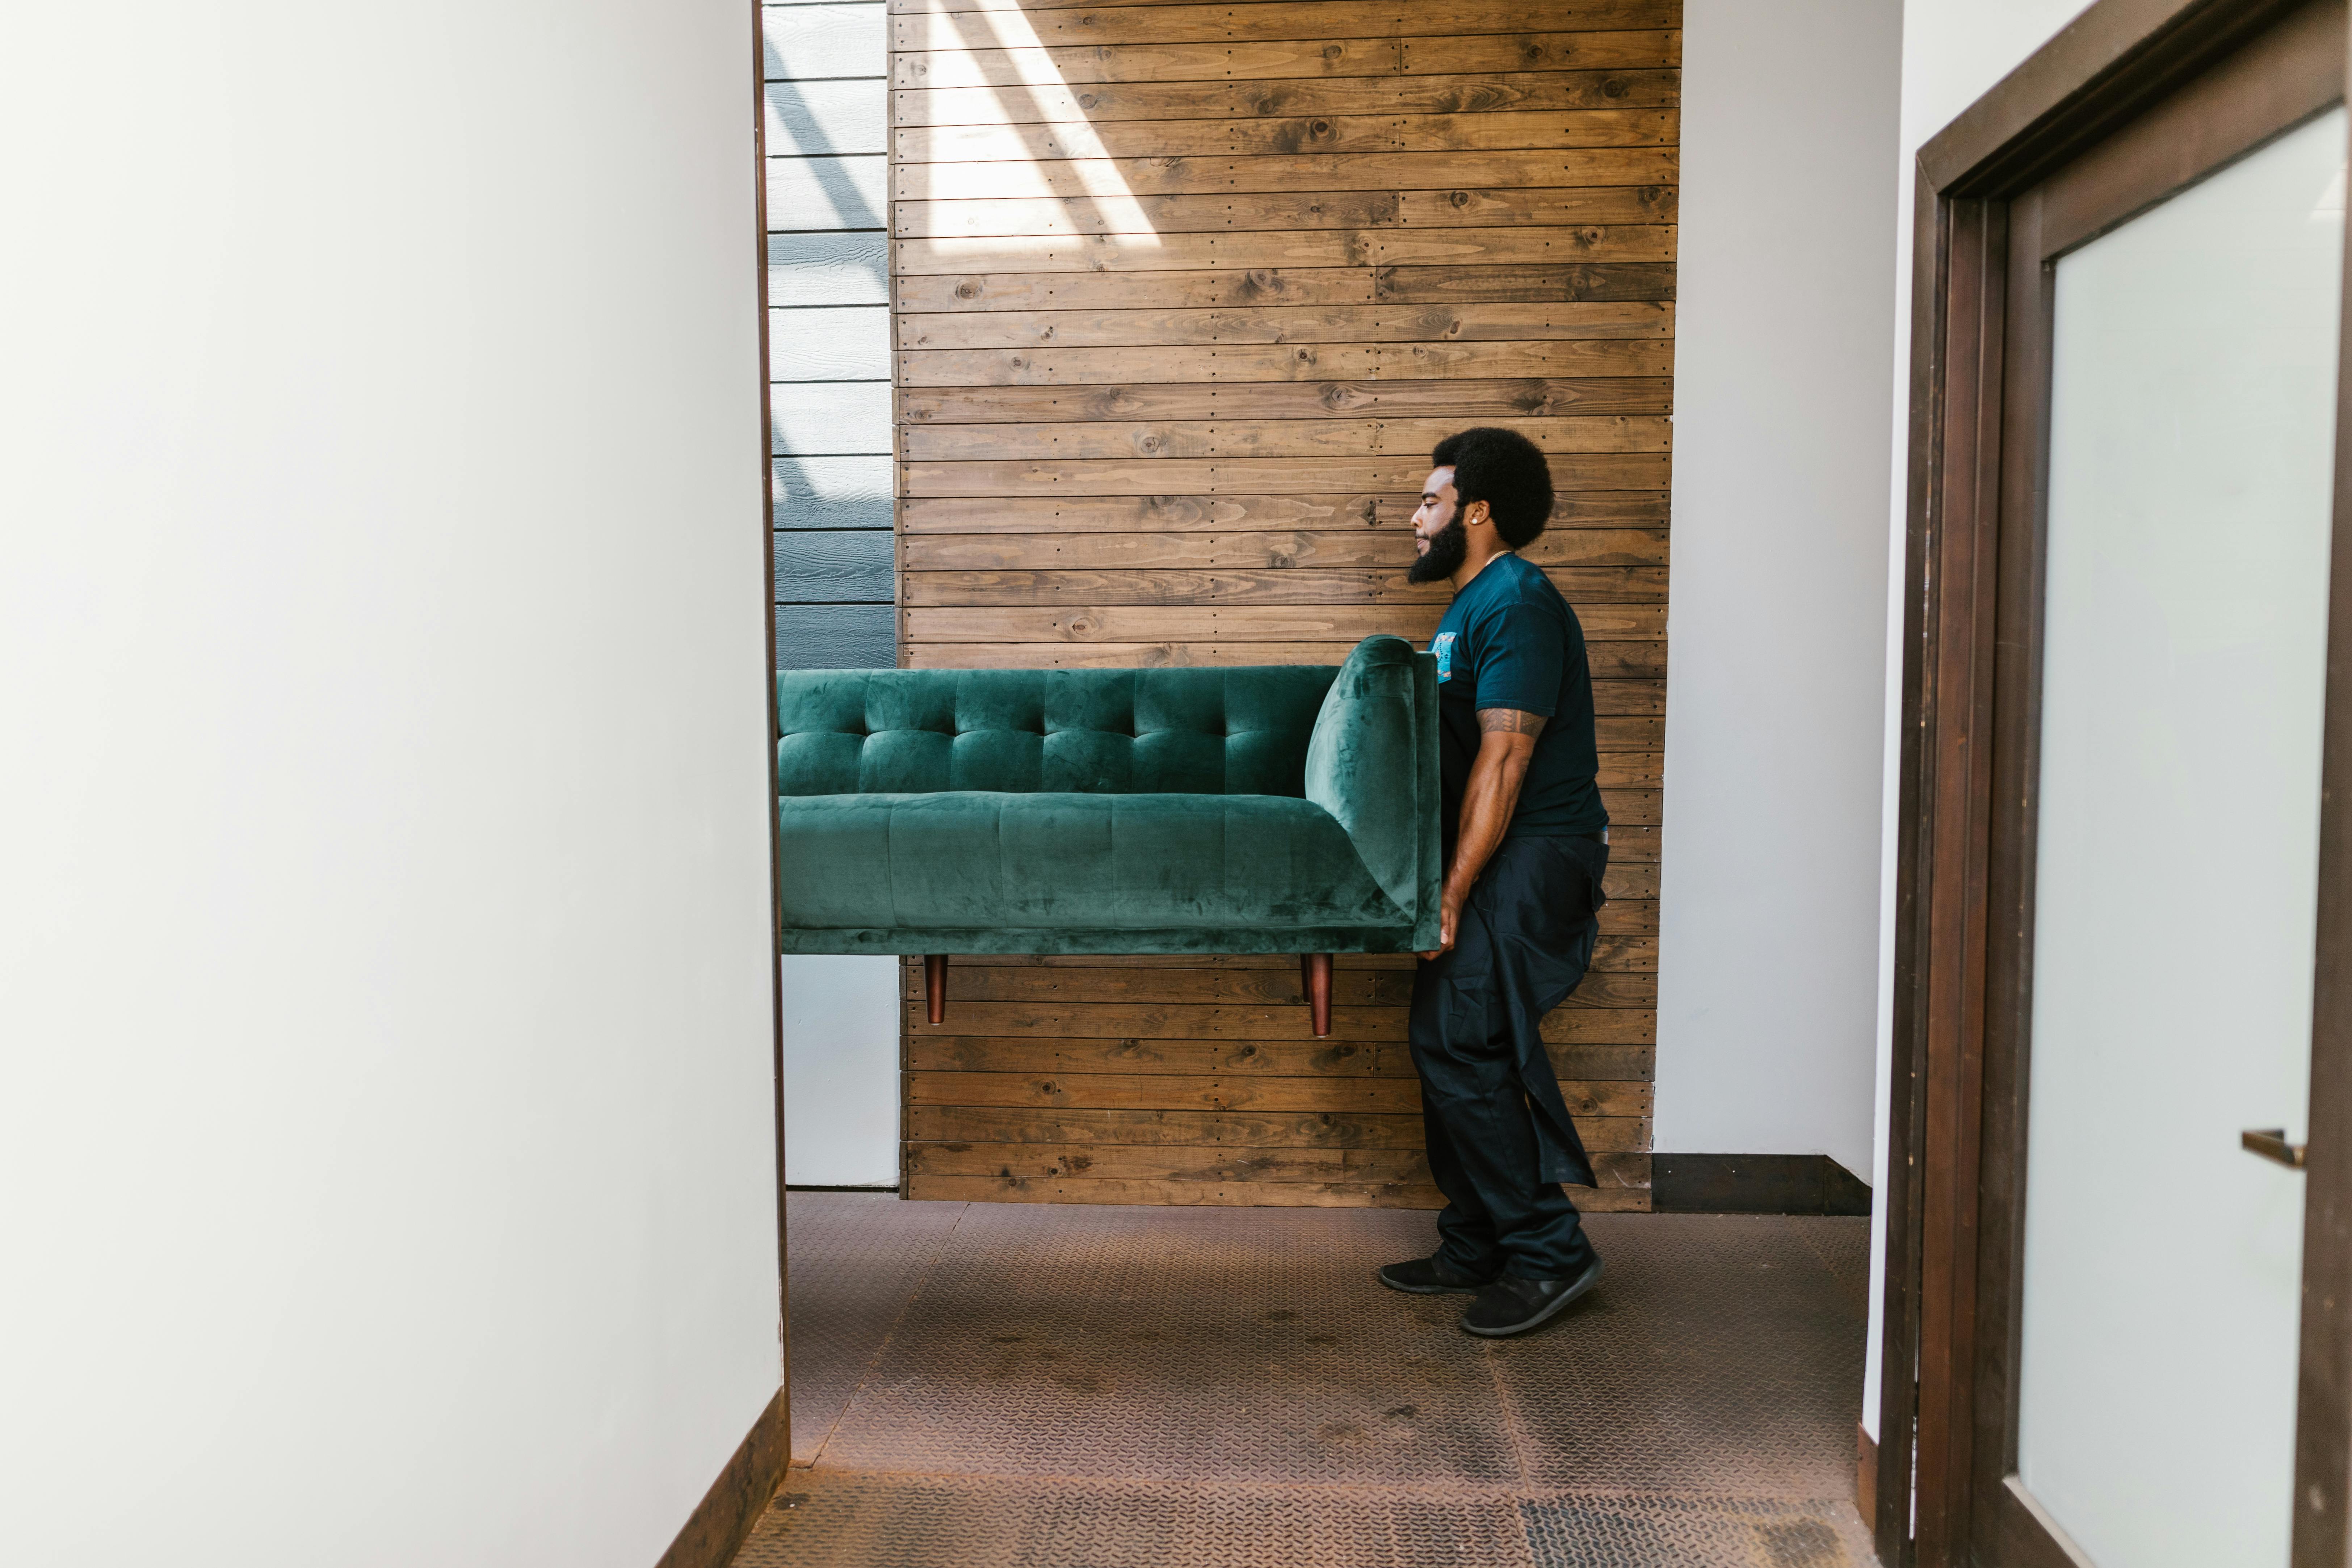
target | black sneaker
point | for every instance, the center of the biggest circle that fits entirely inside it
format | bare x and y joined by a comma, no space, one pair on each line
1512,1305
1430,1276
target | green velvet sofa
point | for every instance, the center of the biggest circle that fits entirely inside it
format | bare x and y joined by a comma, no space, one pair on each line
1286,808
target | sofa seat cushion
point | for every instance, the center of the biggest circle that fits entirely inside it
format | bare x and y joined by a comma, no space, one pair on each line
975,859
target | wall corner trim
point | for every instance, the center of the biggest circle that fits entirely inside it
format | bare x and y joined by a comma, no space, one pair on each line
723,1519
1865,1472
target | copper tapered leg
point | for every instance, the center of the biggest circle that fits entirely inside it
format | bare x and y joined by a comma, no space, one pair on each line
935,985
1315,975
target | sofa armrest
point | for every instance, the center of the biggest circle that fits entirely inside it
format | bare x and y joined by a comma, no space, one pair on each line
1371,762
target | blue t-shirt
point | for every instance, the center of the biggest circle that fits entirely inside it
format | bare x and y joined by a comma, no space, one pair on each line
1509,640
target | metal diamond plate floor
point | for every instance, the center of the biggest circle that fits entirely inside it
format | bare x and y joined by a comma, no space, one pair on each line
1059,1386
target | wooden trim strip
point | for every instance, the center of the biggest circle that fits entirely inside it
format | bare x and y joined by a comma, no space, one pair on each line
1076,1019
2323,1459
1055,1132
1263,548
2029,1537
1270,985
723,1519
1388,402
1902,1204
1257,136
1279,101
1646,286
1381,13
1371,244
1586,548
2286,75
1956,912
1098,182
1222,1163
1639,954
1319,363
1590,586
1608,219
2100,69
922,27
1227,513
1589,1066
1138,325
1023,66
1164,1128
1645,660
1627,1196
1115,439
1347,624
1400,474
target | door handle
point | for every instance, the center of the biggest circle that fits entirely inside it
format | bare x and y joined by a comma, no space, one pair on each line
2271,1143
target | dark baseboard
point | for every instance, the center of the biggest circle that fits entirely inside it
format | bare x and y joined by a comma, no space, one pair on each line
811,1187
1865,1478
737,1498
1755,1183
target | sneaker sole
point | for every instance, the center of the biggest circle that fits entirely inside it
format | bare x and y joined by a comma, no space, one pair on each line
1566,1299
1429,1290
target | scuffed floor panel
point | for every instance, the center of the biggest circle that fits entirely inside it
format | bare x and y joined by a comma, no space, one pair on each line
1718,1355
855,1259
1181,1344
849,1520
1075,1388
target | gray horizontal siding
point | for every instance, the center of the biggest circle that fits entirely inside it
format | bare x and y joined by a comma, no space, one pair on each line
836,636
828,193
832,566
817,119
832,492
829,269
827,343
818,41
829,334
830,418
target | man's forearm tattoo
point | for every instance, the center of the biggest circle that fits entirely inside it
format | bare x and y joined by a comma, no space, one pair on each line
1509,721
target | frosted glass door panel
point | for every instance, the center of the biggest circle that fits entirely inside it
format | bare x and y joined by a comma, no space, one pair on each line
2193,410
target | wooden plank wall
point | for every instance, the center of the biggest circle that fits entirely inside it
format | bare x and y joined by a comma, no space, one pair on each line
1181,295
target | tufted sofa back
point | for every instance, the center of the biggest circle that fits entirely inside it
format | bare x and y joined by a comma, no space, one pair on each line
1091,731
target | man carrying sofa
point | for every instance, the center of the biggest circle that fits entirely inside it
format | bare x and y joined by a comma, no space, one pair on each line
1526,849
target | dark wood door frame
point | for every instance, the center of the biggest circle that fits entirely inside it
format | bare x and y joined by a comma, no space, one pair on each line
2132,101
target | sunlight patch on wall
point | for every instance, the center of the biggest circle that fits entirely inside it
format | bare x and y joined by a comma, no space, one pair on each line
1015,204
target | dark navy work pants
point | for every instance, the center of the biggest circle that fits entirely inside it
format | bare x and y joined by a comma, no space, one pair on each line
1499,1135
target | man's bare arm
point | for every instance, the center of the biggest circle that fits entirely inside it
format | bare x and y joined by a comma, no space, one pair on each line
1506,743
1510,721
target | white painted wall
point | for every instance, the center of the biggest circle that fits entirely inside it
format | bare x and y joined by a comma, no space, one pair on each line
386,1149
1785,322
841,1070
1953,53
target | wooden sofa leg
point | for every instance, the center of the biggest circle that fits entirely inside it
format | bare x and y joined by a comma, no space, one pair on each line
1315,979
935,985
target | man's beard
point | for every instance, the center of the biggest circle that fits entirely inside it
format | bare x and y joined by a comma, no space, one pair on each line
1446,553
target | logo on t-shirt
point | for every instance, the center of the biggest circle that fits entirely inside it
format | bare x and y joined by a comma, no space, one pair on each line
1443,646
